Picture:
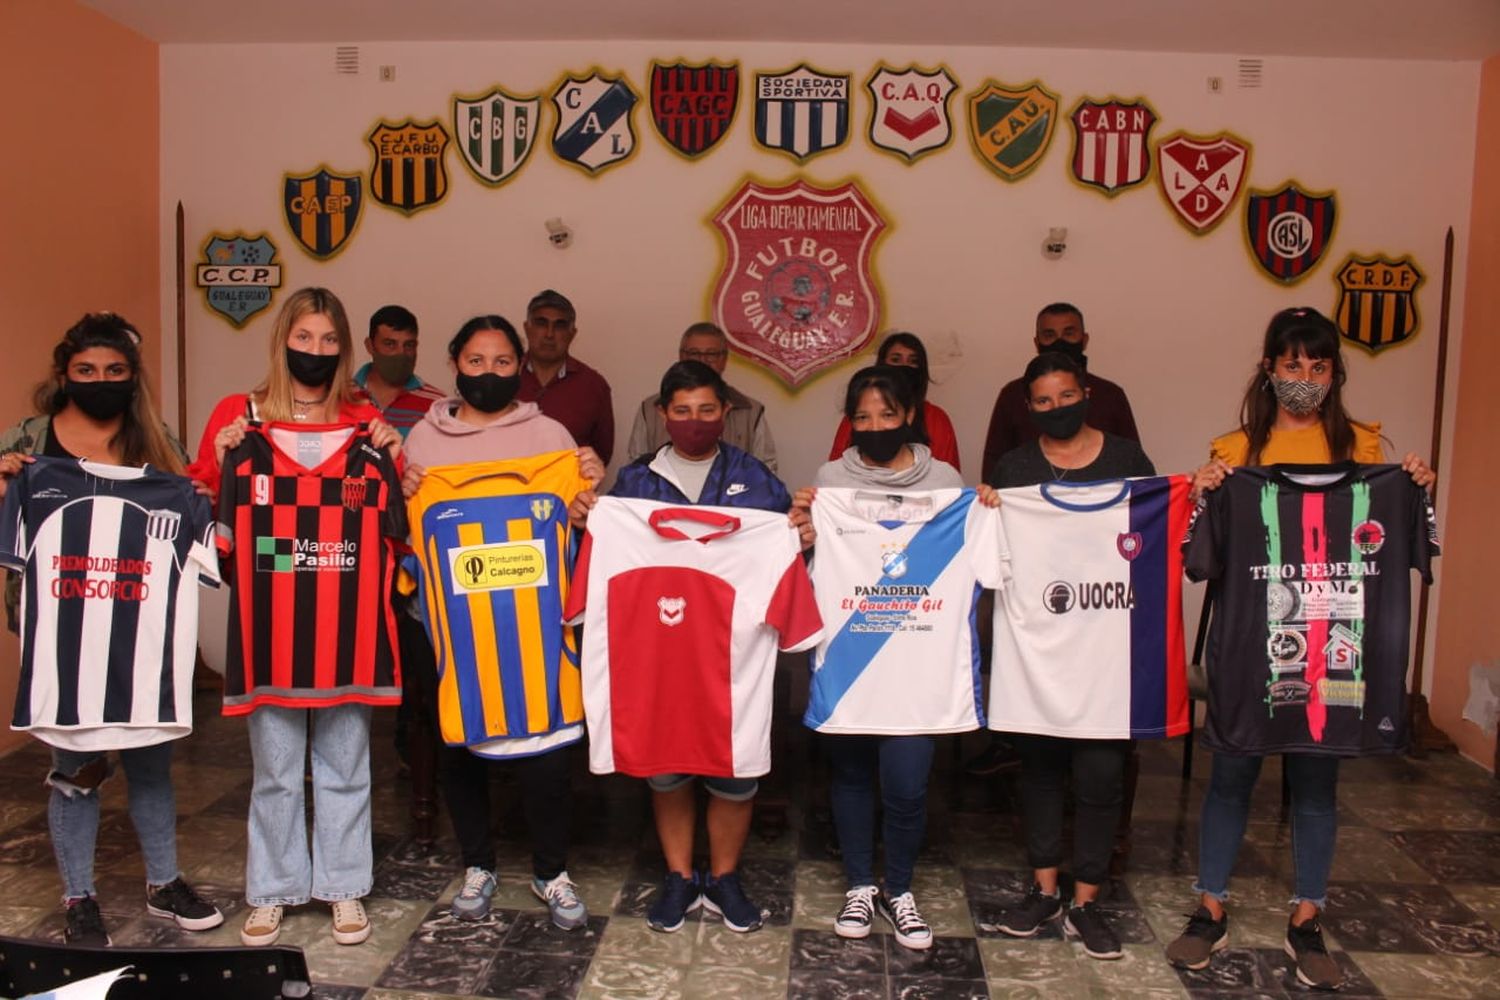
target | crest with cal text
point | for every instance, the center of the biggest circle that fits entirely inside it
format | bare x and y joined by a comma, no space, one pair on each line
495,132
1112,143
692,107
909,112
1201,176
1378,300
322,209
1288,230
238,275
797,291
409,174
593,129
801,112
1011,127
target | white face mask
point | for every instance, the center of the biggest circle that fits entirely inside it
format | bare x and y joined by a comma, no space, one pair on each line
1299,397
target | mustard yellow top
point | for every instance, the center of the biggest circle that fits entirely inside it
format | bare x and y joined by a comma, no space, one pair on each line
1307,446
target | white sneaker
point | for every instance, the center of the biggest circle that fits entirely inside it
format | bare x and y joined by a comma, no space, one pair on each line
350,924
262,927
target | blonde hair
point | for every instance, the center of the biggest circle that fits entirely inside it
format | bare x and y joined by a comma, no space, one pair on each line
273,397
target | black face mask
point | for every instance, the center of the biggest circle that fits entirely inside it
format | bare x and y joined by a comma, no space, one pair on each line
102,400
881,446
314,370
1061,422
1066,347
488,393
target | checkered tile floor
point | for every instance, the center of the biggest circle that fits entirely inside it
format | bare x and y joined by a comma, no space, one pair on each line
1414,908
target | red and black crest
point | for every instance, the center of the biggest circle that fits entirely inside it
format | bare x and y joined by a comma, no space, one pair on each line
354,492
692,107
1289,230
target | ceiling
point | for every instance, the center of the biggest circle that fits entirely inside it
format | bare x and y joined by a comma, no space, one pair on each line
1434,29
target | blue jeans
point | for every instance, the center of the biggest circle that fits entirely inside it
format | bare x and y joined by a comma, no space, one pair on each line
904,763
73,812
277,868
1314,784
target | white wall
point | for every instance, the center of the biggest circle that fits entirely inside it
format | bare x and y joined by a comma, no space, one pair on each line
1175,318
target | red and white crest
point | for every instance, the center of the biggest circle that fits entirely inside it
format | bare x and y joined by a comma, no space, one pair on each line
1112,143
909,111
1202,176
797,291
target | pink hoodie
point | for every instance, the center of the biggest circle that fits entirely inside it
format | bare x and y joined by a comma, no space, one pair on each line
440,438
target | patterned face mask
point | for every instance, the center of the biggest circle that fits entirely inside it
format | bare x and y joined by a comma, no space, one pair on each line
1298,396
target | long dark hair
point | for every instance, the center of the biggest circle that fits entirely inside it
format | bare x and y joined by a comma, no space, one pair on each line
895,388
141,437
923,376
1307,332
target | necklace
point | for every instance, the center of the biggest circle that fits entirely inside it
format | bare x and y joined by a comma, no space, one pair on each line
301,406
1057,474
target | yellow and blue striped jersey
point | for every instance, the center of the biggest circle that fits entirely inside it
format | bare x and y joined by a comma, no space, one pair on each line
492,557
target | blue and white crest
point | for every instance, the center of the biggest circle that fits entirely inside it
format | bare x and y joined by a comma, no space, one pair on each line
801,112
893,563
238,275
593,129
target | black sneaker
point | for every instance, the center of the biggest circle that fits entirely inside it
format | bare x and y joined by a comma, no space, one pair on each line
678,898
1199,940
854,919
726,897
1315,967
177,901
999,756
1087,923
85,924
1035,910
905,920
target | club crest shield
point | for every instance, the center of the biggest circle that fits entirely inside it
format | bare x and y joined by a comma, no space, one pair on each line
408,174
1011,127
1128,544
238,274
909,112
797,291
163,525
801,112
541,508
1288,230
322,209
1378,300
692,107
1111,143
593,129
495,133
1201,176
353,490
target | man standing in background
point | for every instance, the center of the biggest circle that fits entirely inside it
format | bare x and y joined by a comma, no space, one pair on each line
566,389
1059,327
390,378
745,424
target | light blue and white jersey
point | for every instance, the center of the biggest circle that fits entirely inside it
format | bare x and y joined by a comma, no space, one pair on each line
897,577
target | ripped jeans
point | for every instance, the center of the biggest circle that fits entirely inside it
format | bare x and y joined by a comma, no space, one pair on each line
73,812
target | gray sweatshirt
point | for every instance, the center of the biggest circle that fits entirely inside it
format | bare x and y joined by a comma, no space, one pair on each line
926,473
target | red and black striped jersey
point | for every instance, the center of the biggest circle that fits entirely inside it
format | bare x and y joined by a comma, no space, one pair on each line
309,516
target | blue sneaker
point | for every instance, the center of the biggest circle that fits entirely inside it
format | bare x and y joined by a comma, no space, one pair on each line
726,897
561,897
473,900
678,898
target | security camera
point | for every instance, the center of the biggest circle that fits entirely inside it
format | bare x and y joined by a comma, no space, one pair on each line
559,234
1056,243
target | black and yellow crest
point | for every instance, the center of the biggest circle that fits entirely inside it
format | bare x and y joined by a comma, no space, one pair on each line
408,174
1378,300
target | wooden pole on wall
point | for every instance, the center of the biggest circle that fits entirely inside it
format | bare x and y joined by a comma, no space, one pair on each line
181,332
1424,735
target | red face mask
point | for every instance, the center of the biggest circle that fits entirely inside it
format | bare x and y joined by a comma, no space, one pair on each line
695,437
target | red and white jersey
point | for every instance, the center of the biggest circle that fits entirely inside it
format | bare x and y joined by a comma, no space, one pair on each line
898,577
1088,621
685,608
